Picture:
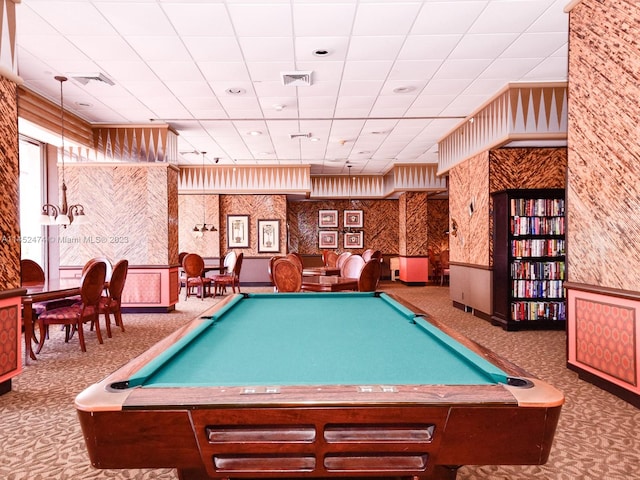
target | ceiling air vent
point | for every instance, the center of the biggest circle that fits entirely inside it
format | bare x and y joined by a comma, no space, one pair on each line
296,79
85,78
293,136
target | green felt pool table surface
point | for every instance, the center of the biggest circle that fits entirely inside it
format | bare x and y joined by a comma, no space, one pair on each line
318,339
317,385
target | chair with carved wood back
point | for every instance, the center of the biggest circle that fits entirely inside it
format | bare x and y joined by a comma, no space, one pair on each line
197,283
112,302
31,273
287,275
352,266
369,276
329,258
342,258
232,279
73,317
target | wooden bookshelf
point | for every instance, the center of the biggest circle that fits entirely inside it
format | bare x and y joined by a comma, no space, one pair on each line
529,265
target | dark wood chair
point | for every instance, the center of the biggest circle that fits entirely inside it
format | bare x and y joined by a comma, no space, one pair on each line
196,282
271,262
369,276
73,317
31,273
221,282
107,263
329,258
352,266
295,258
112,302
287,275
366,255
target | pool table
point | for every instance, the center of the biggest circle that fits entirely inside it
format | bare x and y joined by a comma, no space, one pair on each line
317,385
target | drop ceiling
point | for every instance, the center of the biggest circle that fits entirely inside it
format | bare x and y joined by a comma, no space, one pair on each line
371,83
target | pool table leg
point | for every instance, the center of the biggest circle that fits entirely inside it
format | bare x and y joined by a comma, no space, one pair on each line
193,474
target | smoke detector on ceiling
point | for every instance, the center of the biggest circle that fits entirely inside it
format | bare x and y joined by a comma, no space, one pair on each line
296,79
85,78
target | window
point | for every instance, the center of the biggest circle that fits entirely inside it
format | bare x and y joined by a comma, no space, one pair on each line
32,180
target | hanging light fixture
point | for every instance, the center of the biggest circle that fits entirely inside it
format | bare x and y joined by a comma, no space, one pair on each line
64,214
199,229
350,229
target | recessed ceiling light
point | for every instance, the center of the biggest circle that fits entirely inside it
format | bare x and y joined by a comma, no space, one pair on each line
236,91
364,152
254,133
278,107
403,89
321,52
84,104
314,139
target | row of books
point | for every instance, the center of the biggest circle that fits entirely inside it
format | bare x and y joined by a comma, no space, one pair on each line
539,207
537,289
537,226
521,311
538,247
523,270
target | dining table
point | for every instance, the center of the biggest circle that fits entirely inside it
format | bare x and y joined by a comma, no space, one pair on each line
320,271
328,283
51,294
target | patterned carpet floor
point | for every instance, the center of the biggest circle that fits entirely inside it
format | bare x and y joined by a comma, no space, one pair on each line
598,436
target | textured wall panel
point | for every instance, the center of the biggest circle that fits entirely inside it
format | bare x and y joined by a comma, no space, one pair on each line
143,288
192,209
603,199
417,243
9,332
258,207
129,210
437,225
9,197
469,185
380,224
527,168
605,339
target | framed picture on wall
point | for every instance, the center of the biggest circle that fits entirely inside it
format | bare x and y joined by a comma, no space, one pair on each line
328,218
328,239
238,231
354,240
268,236
353,218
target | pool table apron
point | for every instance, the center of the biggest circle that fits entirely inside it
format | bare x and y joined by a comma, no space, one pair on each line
340,431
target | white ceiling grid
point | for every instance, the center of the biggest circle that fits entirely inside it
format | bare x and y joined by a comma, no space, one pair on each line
397,77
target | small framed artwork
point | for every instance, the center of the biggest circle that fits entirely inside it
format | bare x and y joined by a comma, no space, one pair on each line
328,218
328,239
268,236
353,218
238,231
354,240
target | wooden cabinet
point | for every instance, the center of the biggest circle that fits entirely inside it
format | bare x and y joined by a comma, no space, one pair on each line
529,266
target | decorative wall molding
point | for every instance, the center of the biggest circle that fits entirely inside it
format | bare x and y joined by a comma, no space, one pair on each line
245,179
402,178
8,60
135,143
519,113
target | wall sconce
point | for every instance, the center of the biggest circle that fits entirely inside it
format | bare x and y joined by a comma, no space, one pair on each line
453,231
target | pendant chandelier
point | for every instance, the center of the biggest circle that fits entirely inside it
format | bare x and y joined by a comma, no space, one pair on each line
64,214
348,229
199,229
